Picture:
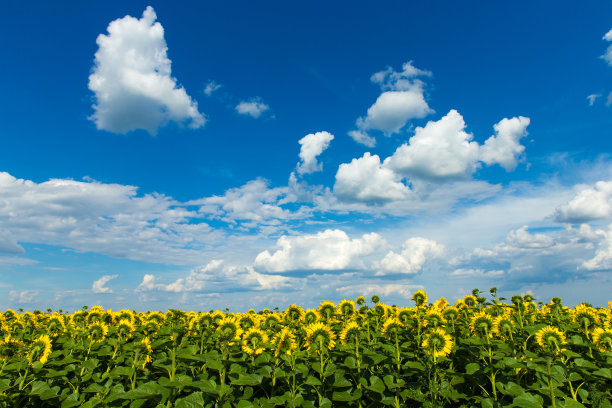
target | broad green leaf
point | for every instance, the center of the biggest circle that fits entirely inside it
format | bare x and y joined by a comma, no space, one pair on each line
71,401
194,400
376,384
570,403
346,395
310,380
471,368
527,400
246,379
340,380
603,372
581,362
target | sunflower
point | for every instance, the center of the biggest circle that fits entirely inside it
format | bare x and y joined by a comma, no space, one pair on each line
450,313
39,349
350,332
440,304
602,339
97,332
434,318
16,326
78,317
294,313
360,300
271,321
284,342
551,339
253,341
124,314
346,307
228,329
504,326
125,328
482,324
438,343
10,314
218,316
144,347
470,300
319,336
247,321
205,320
10,347
327,309
586,317
420,298
391,326
94,315
404,315
310,316
380,309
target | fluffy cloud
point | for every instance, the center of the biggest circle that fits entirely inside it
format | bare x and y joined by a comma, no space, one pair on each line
443,150
217,277
587,205
402,100
312,145
327,250
523,239
608,55
603,256
504,148
98,285
25,296
132,79
253,108
366,180
8,244
416,251
211,87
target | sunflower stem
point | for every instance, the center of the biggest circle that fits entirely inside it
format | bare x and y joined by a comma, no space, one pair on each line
550,385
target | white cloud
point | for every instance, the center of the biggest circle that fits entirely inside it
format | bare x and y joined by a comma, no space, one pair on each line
98,285
603,255
587,205
440,150
132,79
8,243
468,272
366,180
592,98
443,150
504,148
380,289
211,87
402,100
25,296
523,239
253,108
326,250
217,277
608,55
16,261
312,145
417,251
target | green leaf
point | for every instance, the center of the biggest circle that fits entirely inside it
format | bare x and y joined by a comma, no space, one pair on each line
245,404
71,401
376,384
350,362
194,400
42,390
510,388
346,395
603,372
527,400
247,379
90,364
310,380
5,384
146,390
471,368
122,371
486,403
570,403
581,362
95,388
340,380
325,403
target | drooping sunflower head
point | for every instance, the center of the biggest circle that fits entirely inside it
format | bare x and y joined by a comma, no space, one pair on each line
247,320
310,316
228,329
55,325
15,327
218,315
420,298
205,320
254,341
39,349
470,300
10,314
350,333
380,309
551,339
94,315
97,331
602,338
294,313
434,318
405,315
586,317
271,321
125,314
504,326
450,313
10,347
156,317
391,327
320,337
78,317
438,343
346,307
125,328
440,304
327,309
284,342
482,324
360,300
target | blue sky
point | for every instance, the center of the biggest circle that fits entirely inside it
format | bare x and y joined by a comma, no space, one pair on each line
211,155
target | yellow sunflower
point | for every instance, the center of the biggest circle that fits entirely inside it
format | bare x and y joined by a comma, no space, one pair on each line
97,332
284,342
420,298
404,315
310,316
438,343
39,349
327,309
450,313
10,347
320,336
360,300
602,339
271,321
433,318
228,329
551,339
125,328
440,304
294,313
144,346
504,326
346,307
350,332
247,320
55,325
482,324
586,317
392,326
254,341
470,300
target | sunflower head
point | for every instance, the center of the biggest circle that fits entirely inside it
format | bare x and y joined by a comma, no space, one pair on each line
482,324
586,317
97,331
420,298
39,349
380,309
310,316
10,314
434,318
346,307
320,337
254,341
327,309
284,342
55,325
360,300
405,315
450,313
602,338
10,347
350,332
247,320
143,348
470,300
228,329
294,313
504,326
271,321
551,339
391,327
125,328
440,304
125,314
205,320
438,343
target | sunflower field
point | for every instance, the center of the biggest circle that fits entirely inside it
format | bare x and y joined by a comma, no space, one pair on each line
477,352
